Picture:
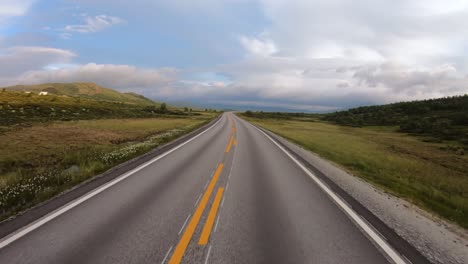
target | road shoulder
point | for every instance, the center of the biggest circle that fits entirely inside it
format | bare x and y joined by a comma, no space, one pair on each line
435,239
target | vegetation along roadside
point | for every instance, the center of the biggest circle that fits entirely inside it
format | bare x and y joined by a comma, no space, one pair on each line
52,142
429,170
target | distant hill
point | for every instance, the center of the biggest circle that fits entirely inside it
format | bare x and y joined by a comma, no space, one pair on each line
84,90
443,118
75,101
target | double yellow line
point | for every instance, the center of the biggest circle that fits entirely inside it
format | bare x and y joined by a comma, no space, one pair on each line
187,236
181,247
205,236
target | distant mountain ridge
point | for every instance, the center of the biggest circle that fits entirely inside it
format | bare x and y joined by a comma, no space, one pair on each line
84,90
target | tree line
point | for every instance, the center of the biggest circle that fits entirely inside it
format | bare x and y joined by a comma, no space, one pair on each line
444,118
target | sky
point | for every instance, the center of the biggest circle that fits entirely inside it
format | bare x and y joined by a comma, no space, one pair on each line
292,55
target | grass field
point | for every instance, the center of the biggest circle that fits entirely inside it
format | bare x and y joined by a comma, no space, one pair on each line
431,175
20,107
39,160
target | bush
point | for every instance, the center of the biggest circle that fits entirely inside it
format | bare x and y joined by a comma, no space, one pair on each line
163,107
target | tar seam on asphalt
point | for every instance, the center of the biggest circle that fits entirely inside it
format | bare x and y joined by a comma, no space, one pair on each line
373,227
409,261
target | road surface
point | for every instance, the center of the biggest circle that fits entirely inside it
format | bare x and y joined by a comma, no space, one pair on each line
229,195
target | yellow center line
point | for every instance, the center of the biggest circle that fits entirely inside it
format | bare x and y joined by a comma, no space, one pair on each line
232,140
179,251
230,144
205,236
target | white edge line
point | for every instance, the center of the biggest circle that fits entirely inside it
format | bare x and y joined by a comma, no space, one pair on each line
208,255
222,202
391,253
167,255
232,165
41,221
216,225
227,187
199,197
183,226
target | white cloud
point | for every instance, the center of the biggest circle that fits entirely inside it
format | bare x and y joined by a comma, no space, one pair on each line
30,65
258,46
17,60
403,83
411,31
93,24
10,8
122,77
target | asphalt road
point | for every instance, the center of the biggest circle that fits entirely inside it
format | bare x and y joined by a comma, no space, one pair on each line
229,195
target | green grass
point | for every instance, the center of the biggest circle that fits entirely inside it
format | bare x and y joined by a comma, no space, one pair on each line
427,174
40,160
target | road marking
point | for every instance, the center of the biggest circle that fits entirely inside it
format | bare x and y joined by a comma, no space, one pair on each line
222,202
41,221
167,254
186,220
217,222
187,236
232,165
230,144
208,255
232,140
205,235
227,186
199,197
391,253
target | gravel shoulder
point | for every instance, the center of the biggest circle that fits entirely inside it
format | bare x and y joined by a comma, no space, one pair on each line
438,240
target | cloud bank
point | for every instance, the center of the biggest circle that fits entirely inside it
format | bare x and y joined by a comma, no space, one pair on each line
310,55
345,53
